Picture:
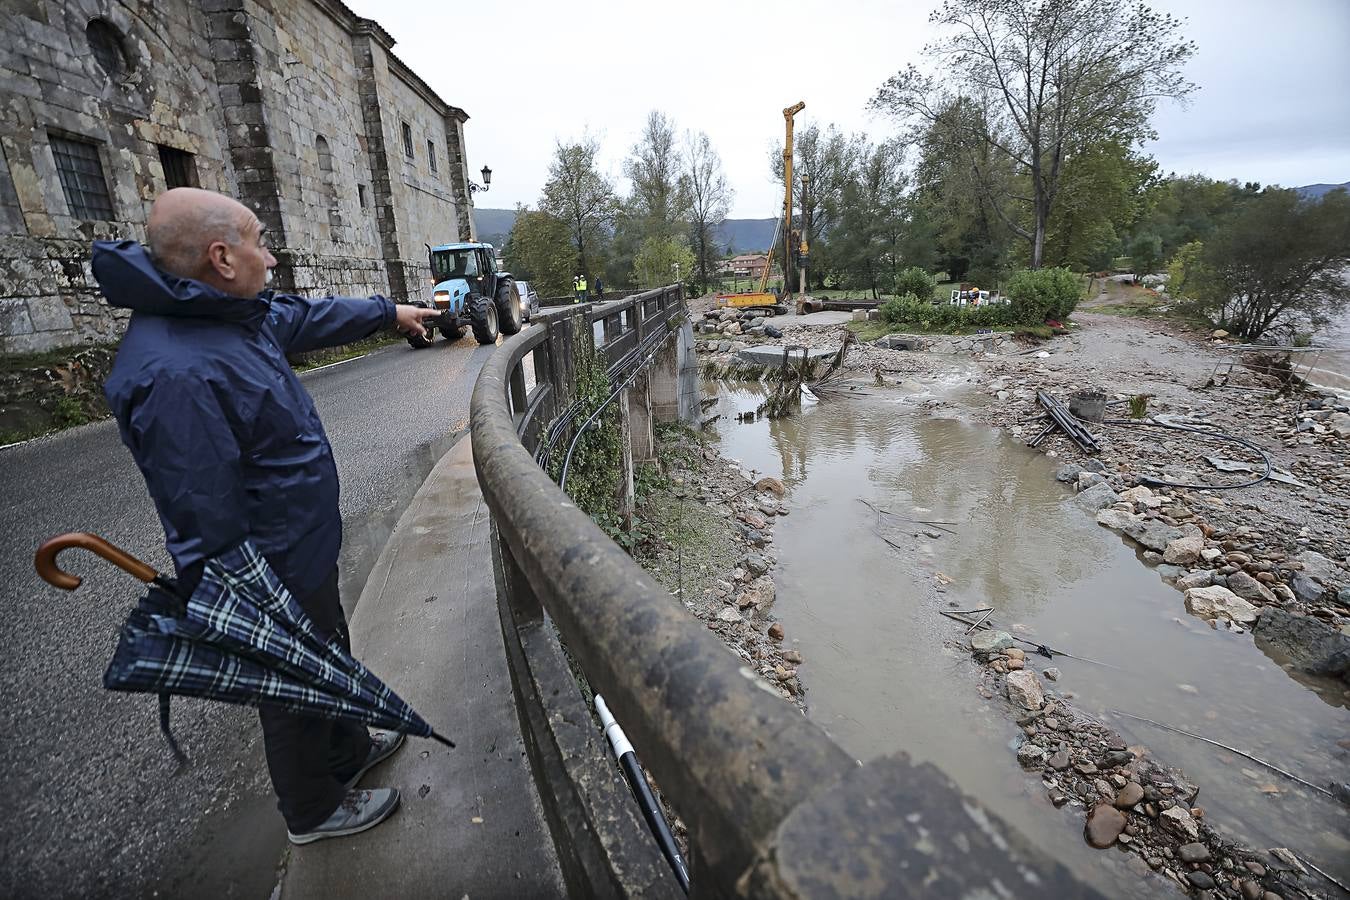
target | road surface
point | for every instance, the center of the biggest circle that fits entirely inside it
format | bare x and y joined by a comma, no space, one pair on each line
93,804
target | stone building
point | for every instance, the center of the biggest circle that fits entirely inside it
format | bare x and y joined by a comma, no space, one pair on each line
297,107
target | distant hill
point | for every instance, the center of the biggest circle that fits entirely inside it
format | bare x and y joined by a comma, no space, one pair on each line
741,235
1314,191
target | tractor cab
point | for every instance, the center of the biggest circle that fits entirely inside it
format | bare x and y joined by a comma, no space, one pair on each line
461,269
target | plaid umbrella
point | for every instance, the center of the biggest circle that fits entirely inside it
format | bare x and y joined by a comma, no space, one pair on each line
239,638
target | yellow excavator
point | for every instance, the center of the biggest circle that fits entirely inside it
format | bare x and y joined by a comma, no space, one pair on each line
763,298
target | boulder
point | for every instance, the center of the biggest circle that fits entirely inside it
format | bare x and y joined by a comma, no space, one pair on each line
1068,473
1024,689
1311,644
990,641
1153,534
759,593
1029,756
1095,498
1115,519
1088,479
1220,603
1197,579
1340,424
1104,824
1248,588
1186,549
1178,821
772,331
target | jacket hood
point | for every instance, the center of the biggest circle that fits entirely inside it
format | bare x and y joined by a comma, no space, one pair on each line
129,278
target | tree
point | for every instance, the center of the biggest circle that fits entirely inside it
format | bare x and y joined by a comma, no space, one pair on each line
663,261
864,242
579,195
709,200
1277,261
1145,254
659,201
1043,79
1099,201
952,196
539,249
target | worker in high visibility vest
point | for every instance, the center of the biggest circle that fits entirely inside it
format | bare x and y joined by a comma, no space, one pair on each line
580,284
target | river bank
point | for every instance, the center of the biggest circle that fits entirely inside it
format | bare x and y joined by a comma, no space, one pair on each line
1240,542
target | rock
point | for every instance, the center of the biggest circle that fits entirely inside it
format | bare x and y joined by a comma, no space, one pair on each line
990,641
1068,473
1340,424
1252,890
1194,852
776,632
1197,579
1088,479
1104,825
1209,554
792,656
1059,760
756,564
1138,494
1129,795
1200,881
1306,589
1024,689
1248,588
768,506
1093,464
1015,653
759,593
1218,334
730,615
1051,673
1029,756
1095,498
771,485
772,331
1178,821
1185,550
1311,644
1152,534
1220,603
1115,519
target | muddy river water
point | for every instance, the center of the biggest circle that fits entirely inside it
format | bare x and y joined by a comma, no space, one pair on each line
882,674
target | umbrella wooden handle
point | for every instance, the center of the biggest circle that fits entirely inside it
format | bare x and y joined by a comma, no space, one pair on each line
45,559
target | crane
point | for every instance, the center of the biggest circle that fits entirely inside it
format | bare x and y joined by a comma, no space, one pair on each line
762,297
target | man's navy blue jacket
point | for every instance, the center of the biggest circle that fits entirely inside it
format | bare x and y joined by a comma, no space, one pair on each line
228,439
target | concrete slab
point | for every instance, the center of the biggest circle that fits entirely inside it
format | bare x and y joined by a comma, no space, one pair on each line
772,354
824,317
470,824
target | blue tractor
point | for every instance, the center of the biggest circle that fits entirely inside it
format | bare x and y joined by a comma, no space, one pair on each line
470,292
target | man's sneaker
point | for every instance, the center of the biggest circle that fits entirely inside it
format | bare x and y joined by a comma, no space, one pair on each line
382,746
358,811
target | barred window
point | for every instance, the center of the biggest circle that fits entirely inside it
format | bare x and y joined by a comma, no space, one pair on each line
179,168
81,172
431,154
407,140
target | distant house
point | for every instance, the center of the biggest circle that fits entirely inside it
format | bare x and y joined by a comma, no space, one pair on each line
746,265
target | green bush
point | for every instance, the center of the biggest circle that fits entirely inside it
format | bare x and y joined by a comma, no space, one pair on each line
925,316
917,282
1041,294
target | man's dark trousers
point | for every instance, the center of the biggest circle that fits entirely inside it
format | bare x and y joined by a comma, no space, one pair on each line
309,758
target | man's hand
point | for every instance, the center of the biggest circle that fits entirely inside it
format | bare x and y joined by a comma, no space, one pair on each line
408,319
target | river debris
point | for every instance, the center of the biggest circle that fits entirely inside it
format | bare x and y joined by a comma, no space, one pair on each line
1038,648
1242,753
1065,421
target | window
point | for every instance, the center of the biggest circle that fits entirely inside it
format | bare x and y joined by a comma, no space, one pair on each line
81,171
326,174
179,168
431,154
106,43
361,195
407,140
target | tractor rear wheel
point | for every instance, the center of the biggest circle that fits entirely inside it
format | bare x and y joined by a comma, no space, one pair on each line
484,319
509,313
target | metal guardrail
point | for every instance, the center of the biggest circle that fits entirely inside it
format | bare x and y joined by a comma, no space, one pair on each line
773,806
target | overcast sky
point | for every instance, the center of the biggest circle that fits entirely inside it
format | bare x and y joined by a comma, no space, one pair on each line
1273,104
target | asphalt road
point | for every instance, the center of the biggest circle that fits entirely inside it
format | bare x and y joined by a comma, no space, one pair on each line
92,804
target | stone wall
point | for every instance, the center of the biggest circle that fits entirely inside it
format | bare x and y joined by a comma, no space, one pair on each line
55,87
273,99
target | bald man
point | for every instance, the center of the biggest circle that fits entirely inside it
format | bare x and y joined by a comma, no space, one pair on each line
232,449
